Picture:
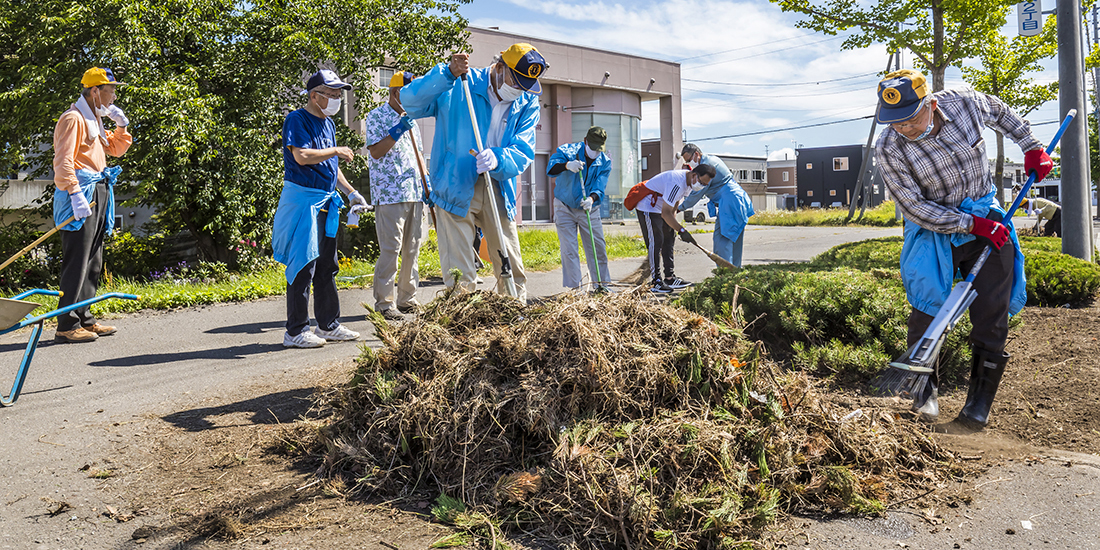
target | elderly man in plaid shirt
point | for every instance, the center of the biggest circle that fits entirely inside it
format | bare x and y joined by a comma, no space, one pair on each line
932,157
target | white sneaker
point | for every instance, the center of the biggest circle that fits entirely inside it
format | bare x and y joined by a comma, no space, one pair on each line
338,334
304,339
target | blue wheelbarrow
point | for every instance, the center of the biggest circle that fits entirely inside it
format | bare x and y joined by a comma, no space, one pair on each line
15,314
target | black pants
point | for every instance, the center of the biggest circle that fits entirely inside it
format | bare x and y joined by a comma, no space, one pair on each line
322,274
1054,225
659,240
82,263
989,312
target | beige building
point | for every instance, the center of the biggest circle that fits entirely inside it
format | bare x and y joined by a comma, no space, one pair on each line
583,87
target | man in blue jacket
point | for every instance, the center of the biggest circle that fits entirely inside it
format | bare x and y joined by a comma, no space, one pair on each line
304,234
506,103
733,204
933,160
581,171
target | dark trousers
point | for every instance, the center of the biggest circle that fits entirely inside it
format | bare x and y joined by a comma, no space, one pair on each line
989,312
659,240
82,263
321,272
1054,225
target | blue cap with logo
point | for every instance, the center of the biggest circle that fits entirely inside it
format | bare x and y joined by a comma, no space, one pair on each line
900,95
325,77
527,65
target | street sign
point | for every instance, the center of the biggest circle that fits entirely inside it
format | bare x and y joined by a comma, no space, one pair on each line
1029,16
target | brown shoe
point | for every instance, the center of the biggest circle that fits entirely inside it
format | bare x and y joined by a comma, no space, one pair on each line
101,330
79,334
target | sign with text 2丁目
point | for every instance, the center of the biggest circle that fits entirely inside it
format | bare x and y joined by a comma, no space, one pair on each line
1030,18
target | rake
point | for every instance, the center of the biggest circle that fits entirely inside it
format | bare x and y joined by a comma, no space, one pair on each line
907,376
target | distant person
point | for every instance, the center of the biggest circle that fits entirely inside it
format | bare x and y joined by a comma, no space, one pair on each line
933,160
1045,210
81,145
661,196
581,171
397,193
733,204
308,216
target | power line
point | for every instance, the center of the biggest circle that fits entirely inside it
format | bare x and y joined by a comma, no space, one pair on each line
779,84
812,94
681,60
830,39
775,130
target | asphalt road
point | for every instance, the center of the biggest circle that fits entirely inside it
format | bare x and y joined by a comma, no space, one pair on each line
162,363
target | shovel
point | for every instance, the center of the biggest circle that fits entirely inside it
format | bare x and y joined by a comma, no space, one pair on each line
505,264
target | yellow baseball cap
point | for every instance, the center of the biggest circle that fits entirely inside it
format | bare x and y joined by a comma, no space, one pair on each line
98,77
527,65
900,95
400,79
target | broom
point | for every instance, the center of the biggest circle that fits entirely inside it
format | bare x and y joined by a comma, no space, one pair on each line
908,375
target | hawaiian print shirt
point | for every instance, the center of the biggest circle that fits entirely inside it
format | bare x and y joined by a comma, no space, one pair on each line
394,177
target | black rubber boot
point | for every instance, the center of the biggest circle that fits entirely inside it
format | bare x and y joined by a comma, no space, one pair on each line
986,369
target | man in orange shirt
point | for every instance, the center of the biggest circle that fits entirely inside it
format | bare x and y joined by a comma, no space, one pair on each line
85,191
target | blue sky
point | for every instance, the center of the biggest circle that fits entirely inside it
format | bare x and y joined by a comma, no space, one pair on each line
745,66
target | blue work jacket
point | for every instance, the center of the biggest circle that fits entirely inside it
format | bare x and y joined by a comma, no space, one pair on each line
63,205
571,188
294,239
453,169
734,204
928,271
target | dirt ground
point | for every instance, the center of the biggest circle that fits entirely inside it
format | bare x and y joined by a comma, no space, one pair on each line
221,477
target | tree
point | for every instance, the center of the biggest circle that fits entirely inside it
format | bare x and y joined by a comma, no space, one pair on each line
940,33
1002,72
209,84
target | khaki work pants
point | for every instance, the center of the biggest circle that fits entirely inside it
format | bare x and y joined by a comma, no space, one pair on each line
400,230
456,241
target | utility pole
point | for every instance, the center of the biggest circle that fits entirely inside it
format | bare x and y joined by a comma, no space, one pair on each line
1075,196
1096,92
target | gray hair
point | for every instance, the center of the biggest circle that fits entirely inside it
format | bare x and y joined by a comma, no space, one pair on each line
690,149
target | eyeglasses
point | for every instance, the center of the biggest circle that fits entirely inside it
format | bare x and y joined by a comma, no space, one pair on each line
332,96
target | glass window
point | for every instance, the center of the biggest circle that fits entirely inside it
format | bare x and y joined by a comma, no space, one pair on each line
758,175
743,175
786,176
840,164
384,76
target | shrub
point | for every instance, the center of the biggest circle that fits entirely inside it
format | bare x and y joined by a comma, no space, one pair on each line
1055,279
883,253
134,256
38,267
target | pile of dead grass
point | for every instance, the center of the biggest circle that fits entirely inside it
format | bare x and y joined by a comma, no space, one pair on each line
611,421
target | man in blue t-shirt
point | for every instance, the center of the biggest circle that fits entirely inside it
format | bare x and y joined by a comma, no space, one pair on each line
304,233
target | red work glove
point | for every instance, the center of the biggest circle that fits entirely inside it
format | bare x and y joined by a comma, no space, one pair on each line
990,230
1037,160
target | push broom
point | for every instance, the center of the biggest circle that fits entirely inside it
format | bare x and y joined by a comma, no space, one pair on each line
908,375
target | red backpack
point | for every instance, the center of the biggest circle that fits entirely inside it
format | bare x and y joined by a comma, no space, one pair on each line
638,193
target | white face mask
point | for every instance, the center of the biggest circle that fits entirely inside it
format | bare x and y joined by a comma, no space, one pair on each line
591,154
927,131
697,186
692,164
507,93
101,111
332,108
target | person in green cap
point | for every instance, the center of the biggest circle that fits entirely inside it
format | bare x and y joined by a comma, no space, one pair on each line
581,171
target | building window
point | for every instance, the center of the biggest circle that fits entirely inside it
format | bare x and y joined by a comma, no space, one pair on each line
832,192
645,163
384,76
786,176
840,164
810,193
743,175
809,166
758,175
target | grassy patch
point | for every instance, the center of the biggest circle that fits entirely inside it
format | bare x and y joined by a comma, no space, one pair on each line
880,216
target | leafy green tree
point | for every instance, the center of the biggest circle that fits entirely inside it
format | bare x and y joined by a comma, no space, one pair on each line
940,33
209,84
1002,72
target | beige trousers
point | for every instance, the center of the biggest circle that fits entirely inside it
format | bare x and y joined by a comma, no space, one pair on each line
456,242
400,230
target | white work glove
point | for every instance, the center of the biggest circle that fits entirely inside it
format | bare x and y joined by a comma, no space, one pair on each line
81,209
574,166
586,204
116,114
356,199
486,161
